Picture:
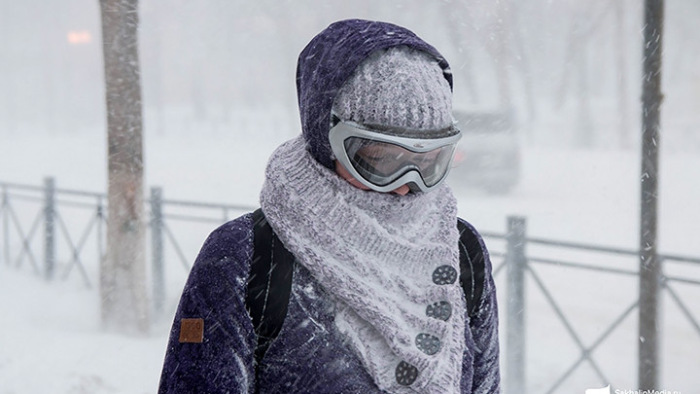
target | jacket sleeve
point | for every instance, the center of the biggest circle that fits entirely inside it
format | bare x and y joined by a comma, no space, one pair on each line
484,326
212,340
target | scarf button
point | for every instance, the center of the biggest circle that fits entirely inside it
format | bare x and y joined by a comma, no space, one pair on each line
428,344
441,310
444,275
406,373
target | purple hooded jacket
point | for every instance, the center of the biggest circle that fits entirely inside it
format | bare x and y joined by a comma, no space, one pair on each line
308,355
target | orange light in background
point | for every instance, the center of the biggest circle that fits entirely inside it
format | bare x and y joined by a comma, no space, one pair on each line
79,37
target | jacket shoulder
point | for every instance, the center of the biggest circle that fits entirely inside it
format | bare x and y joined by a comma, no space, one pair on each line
232,241
223,263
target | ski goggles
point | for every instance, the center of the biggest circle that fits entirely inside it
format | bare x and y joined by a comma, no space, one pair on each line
384,162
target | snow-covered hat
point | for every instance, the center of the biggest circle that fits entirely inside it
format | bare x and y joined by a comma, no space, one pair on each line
398,87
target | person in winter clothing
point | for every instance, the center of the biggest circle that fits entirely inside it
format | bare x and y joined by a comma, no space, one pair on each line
389,291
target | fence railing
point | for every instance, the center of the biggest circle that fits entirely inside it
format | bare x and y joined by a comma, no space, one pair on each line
60,233
522,268
54,211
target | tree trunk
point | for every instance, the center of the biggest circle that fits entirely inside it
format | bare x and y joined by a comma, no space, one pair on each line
123,271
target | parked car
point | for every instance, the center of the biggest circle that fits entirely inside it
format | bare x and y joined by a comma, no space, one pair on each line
488,155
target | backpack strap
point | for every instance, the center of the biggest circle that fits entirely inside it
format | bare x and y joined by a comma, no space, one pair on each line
269,283
270,279
471,266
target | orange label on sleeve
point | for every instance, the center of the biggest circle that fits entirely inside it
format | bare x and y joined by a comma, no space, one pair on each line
191,330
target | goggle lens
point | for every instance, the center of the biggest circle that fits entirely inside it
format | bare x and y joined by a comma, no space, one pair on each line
382,162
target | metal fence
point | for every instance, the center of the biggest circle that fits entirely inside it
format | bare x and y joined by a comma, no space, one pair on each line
60,234
522,268
35,219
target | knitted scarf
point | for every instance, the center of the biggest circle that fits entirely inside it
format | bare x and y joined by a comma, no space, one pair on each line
377,255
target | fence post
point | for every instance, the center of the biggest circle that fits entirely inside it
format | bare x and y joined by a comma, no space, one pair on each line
49,227
157,249
650,266
516,263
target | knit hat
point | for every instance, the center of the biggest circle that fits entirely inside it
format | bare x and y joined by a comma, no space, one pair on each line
397,87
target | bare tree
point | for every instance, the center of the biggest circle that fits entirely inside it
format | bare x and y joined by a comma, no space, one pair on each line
123,272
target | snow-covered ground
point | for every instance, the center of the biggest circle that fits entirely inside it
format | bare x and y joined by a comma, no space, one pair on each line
51,340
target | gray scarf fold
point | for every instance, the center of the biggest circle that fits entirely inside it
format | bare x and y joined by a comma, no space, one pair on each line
376,254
